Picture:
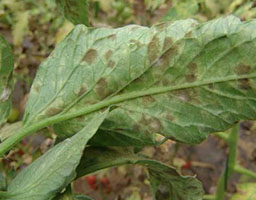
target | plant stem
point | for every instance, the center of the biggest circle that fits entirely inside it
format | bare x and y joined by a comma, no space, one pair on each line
231,162
222,135
209,197
241,170
220,193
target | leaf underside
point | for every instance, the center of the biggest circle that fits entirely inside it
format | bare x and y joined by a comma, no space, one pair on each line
180,79
6,81
166,183
53,171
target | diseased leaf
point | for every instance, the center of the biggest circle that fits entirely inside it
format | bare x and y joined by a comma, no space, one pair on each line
180,79
53,171
6,81
3,182
75,11
246,191
9,129
166,182
68,195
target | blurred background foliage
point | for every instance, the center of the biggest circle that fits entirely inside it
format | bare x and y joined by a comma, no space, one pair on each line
33,28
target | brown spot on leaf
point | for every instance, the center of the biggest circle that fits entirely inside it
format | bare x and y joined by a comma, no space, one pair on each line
244,84
90,56
89,102
148,99
102,89
161,26
164,60
37,87
163,192
188,34
111,64
112,36
192,67
134,28
136,127
167,43
183,95
153,123
108,54
153,49
81,91
243,69
166,82
190,78
53,111
211,86
169,117
136,42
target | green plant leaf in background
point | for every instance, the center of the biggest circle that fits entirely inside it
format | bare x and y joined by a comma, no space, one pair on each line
20,27
53,171
153,4
74,10
3,182
246,191
6,80
166,182
9,129
68,195
181,9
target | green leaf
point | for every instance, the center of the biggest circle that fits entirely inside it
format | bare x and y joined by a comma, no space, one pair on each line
53,171
6,80
3,183
182,10
68,195
166,182
75,11
246,191
180,79
20,27
9,130
82,197
153,4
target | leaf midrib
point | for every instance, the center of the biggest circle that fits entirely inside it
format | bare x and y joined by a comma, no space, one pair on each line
152,91
27,130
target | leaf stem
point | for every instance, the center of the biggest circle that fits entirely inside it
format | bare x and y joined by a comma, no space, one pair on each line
29,129
241,170
231,162
209,197
222,135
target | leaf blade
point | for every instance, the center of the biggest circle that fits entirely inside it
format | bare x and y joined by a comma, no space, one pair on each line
6,80
181,79
166,182
53,171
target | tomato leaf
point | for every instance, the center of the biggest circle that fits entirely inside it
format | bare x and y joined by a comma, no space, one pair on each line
246,191
166,182
6,80
180,79
53,171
